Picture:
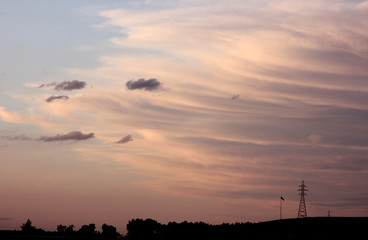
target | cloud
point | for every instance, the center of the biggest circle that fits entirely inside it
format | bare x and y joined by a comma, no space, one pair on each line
125,139
148,85
76,135
314,139
297,86
354,162
235,97
5,219
359,200
52,98
17,138
47,85
65,85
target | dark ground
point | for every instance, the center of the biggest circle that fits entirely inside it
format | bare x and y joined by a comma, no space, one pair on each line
316,228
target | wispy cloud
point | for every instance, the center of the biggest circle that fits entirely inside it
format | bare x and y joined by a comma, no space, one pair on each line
47,85
76,136
53,98
17,138
360,200
148,85
302,81
314,139
235,97
125,139
65,85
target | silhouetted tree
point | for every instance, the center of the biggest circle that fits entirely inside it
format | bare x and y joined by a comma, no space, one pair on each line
61,228
88,229
109,232
28,228
69,229
143,229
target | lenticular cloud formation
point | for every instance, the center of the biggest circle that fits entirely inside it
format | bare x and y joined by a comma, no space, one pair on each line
76,135
125,139
52,98
148,85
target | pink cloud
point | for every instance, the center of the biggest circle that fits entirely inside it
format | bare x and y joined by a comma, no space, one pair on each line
314,139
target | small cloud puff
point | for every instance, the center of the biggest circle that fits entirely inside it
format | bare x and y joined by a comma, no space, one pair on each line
142,84
235,97
314,139
125,139
52,98
76,135
66,85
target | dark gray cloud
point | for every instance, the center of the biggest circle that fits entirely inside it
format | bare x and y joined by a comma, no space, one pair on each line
125,139
66,85
76,135
5,219
148,85
52,98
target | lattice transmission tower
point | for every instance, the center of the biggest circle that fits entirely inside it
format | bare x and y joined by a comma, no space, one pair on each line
302,213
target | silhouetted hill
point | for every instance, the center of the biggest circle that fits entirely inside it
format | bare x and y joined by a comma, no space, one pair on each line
315,228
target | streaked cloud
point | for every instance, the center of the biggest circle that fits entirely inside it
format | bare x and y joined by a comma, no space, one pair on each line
359,200
46,85
142,84
299,67
53,98
314,139
76,136
125,139
17,138
65,85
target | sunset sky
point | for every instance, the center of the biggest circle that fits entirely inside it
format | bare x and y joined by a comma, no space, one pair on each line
196,110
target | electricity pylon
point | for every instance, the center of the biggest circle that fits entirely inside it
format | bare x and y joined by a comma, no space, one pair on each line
302,213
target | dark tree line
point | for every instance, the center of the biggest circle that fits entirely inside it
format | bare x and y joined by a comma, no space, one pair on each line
302,228
152,230
85,232
149,229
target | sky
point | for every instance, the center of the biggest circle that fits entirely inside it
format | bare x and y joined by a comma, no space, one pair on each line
181,110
